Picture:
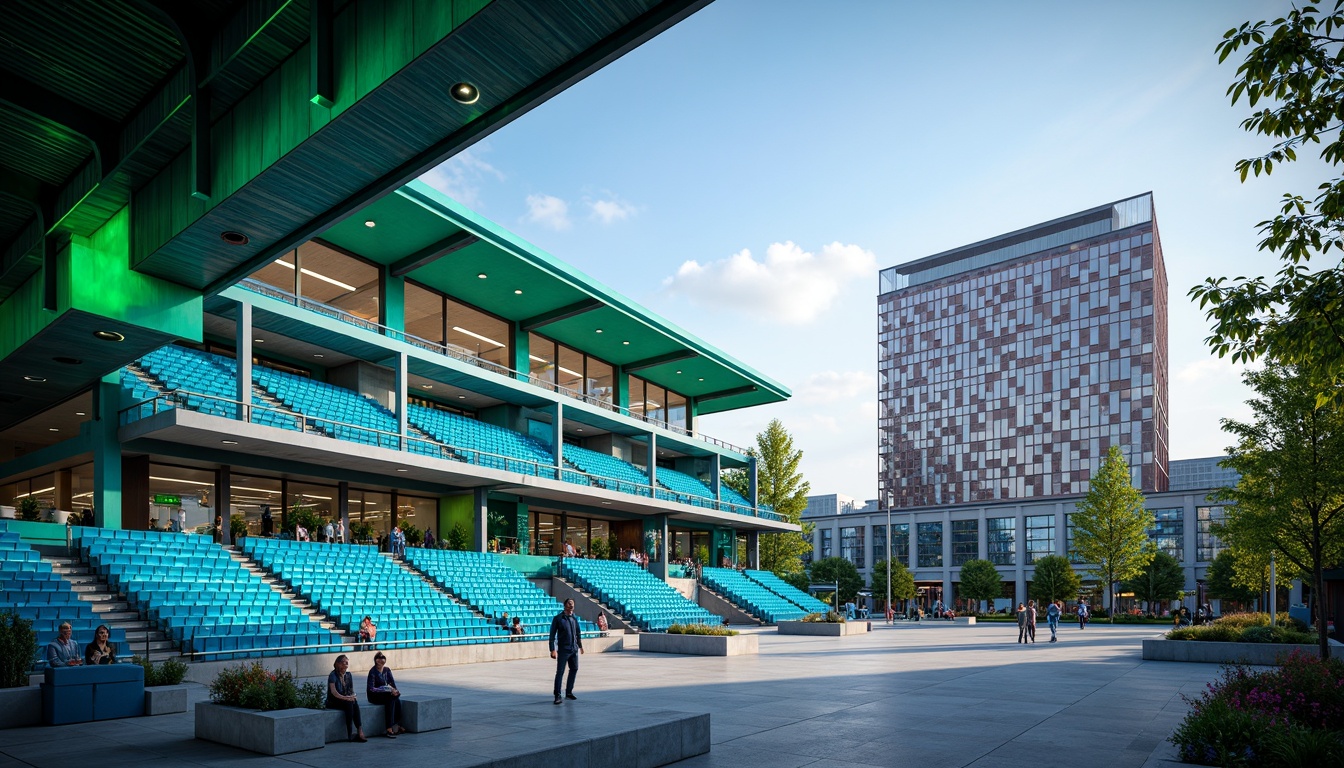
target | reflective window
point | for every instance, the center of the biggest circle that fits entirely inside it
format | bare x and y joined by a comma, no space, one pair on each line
1074,557
541,354
424,313
320,499
250,496
601,380
826,548
965,541
576,533
478,333
417,510
546,528
851,545
930,545
1207,545
1001,540
900,542
879,543
676,409
1040,537
372,508
569,373
1168,532
338,280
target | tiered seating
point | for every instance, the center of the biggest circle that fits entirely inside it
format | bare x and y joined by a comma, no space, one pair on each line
350,582
647,601
486,444
342,413
607,471
491,587
787,591
199,595
750,595
198,378
30,589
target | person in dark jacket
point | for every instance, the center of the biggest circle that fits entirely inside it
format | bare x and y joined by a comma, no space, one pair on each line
566,646
1021,623
382,689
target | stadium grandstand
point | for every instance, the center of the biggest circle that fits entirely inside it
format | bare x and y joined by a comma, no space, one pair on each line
231,318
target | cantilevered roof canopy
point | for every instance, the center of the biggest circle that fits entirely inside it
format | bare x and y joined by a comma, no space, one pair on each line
414,225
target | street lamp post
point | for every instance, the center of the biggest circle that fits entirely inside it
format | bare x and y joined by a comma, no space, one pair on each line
889,553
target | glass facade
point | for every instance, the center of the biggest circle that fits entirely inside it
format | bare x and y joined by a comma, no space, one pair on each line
851,545
1207,545
1010,379
965,541
1040,537
930,545
1072,555
1168,532
826,549
650,401
1001,540
879,543
900,542
552,364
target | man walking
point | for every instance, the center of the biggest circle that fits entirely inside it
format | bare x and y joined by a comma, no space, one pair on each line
1021,623
566,645
1052,618
1083,614
1031,620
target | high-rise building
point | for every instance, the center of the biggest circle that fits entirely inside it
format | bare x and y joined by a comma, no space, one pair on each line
1008,367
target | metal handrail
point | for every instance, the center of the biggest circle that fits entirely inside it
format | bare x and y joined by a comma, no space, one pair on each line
382,645
465,355
447,451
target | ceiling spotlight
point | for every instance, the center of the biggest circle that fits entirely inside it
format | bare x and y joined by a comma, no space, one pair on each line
702,379
518,291
626,343
426,386
318,355
35,379
465,93
482,275
461,397
68,360
258,341
53,429
599,330
580,429
233,238
108,336
678,373
370,223
403,470
229,442
80,413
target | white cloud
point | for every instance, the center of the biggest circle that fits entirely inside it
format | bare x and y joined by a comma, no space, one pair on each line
548,210
460,176
791,286
830,386
611,210
1209,370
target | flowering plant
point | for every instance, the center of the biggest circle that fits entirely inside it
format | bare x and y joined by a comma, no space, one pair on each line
252,686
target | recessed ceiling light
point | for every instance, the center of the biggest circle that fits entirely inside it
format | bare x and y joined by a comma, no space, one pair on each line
229,442
518,291
599,330
426,386
108,336
67,360
580,429
258,341
608,503
464,93
233,238
80,413
53,429
318,355
702,379
461,397
403,470
678,373
626,343
36,379
370,223
481,275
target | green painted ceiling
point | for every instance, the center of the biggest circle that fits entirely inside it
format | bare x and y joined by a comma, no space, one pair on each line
416,216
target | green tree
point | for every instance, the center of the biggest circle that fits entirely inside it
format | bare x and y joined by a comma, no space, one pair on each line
1054,579
902,582
1292,76
458,538
980,581
832,570
1161,579
1110,525
1290,499
1224,583
782,487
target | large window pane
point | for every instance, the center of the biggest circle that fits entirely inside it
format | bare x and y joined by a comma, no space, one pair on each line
930,545
569,373
340,281
600,380
1040,537
541,357
676,409
424,313
1207,545
576,533
1168,532
279,273
547,530
879,543
827,546
1001,538
478,333
655,402
634,387
851,545
900,543
250,496
965,541
372,508
321,499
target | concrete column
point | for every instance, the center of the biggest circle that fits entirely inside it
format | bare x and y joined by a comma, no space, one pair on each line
1294,594
715,468
755,488
982,533
480,508
1061,531
867,545
223,504
753,549
558,439
652,468
343,506
913,542
1189,533
242,334
107,480
1021,587
62,481
947,557
402,397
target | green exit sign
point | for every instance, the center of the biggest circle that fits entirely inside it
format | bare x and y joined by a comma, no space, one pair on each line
168,499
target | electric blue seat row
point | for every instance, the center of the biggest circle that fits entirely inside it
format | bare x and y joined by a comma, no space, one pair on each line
787,591
750,595
647,601
30,590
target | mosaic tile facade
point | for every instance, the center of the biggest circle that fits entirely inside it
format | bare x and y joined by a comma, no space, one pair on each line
1011,380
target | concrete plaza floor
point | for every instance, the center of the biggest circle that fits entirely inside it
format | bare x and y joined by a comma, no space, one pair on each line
927,695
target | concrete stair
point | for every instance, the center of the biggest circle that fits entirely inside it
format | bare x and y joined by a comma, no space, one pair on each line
451,595
288,592
112,609
615,619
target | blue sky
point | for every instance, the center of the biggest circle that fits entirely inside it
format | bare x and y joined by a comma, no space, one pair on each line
747,173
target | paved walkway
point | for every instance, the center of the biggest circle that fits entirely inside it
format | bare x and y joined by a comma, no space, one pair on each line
917,695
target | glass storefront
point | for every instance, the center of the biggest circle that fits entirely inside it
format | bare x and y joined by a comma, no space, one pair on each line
930,545
965,541
1040,537
1001,540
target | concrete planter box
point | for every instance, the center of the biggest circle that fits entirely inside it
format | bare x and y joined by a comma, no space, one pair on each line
966,620
699,645
824,629
165,699
20,707
1209,652
268,733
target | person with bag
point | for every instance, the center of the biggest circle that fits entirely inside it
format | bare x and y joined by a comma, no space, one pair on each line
382,689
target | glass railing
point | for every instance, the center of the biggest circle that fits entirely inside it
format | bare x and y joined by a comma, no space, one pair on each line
299,422
468,356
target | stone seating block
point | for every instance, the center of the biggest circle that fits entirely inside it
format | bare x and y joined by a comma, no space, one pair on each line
426,713
371,715
165,699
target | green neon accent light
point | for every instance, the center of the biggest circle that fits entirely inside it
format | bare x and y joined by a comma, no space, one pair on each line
168,499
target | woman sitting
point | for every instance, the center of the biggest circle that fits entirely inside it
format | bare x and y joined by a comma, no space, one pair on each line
516,630
368,631
382,689
100,651
341,695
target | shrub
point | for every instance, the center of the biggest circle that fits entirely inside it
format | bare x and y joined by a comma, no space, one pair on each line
829,617
598,549
28,509
237,527
360,532
1289,716
413,535
700,629
304,516
251,686
1231,633
458,539
169,672
1243,620
18,648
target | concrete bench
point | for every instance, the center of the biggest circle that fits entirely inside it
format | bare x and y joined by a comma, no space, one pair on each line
418,714
85,694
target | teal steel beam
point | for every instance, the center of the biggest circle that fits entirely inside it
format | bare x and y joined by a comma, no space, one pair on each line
563,313
431,253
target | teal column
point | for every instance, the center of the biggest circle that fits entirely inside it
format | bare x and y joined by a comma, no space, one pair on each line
480,515
394,302
620,391
655,545
522,347
106,453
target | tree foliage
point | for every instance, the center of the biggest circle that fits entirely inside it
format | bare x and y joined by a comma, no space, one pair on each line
980,581
1290,499
780,485
902,582
1110,526
1054,579
1224,582
832,570
1293,77
1161,579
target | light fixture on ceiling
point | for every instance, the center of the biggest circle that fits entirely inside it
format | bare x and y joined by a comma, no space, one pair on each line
229,442
319,276
608,503
426,386
233,238
370,223
702,379
599,330
108,336
626,343
518,291
34,379
67,360
80,413
53,429
403,469
258,341
481,275
477,336
464,93
461,397
318,355
678,373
